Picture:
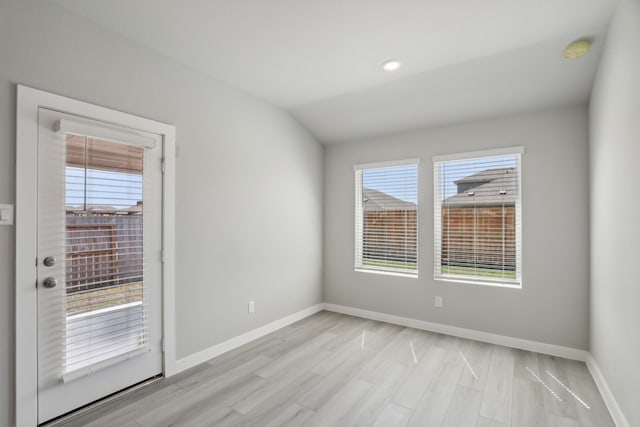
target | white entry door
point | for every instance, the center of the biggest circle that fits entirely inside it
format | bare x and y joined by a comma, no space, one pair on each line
99,268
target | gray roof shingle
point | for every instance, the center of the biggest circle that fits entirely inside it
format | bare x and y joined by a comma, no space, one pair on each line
375,200
485,188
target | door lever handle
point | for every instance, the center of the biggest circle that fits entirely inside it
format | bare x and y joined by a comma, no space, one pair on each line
49,282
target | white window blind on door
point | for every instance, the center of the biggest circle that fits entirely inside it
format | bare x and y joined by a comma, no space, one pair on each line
386,223
477,217
104,299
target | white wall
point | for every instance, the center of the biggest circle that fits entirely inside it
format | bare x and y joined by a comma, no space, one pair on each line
249,178
552,306
615,207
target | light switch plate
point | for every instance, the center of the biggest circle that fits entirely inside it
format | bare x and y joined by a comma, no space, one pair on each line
6,214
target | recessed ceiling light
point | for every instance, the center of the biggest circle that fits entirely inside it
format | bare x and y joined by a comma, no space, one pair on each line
391,65
577,49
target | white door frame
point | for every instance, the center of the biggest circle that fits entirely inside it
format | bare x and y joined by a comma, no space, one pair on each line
29,101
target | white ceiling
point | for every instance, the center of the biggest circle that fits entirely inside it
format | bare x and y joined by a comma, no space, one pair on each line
463,59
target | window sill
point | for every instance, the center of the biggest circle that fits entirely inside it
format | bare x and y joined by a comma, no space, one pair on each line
386,272
471,281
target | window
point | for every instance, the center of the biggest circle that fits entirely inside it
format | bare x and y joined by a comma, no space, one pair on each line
386,220
106,311
477,221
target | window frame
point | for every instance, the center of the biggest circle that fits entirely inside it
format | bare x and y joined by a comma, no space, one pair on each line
516,283
359,218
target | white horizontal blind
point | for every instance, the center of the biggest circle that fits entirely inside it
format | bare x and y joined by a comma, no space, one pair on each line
104,256
386,220
477,219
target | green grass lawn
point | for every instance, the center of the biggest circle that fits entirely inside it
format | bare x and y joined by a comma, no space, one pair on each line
477,272
445,270
102,298
389,264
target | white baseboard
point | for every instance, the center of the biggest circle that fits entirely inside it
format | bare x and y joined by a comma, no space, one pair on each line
218,349
605,391
538,347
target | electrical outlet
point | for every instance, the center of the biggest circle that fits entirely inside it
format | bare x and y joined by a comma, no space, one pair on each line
439,302
252,306
6,214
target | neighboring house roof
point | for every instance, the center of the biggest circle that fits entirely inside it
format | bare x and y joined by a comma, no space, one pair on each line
104,209
133,210
98,209
375,200
485,187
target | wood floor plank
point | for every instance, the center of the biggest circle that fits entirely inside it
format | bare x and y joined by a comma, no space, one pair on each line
166,413
241,354
213,378
82,422
460,347
314,321
230,393
205,416
422,340
424,373
400,349
487,422
317,396
478,357
350,328
295,415
432,408
557,400
368,409
464,409
101,414
526,365
308,330
384,356
341,355
558,421
131,423
393,416
445,341
411,346
132,409
270,403
528,404
280,347
297,358
337,408
574,367
378,335
279,389
208,401
585,393
497,399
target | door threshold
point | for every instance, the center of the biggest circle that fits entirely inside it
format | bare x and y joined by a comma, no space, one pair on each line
114,397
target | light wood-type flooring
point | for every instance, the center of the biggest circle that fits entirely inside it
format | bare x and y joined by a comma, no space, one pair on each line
336,370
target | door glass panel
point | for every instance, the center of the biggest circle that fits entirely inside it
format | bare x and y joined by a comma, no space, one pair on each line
104,257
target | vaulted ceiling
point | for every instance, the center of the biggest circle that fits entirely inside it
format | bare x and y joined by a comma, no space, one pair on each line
462,59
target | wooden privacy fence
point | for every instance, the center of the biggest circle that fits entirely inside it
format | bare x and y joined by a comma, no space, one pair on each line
390,235
103,251
475,236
